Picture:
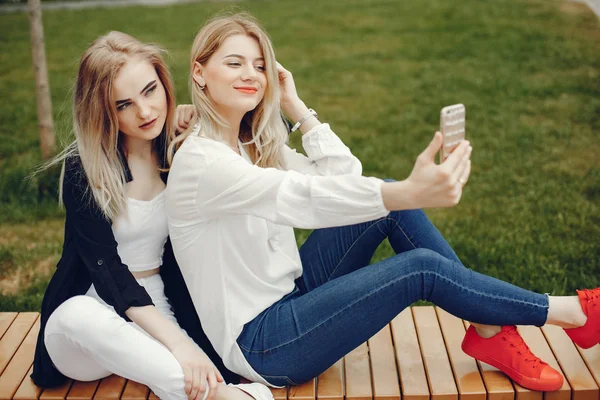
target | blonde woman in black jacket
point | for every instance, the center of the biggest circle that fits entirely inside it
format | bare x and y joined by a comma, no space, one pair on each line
105,310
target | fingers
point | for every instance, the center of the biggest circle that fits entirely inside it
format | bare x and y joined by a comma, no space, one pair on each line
188,115
219,376
457,174
203,385
280,68
432,149
180,127
213,386
183,116
181,121
189,380
195,391
284,74
454,159
464,178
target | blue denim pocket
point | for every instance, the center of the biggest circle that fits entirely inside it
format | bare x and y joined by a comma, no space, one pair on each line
279,380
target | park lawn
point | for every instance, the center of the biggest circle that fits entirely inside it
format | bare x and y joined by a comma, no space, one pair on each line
379,71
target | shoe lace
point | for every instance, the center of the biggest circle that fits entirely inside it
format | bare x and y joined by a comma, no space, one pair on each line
590,295
516,341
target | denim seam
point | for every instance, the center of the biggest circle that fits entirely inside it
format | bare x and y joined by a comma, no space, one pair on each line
383,287
352,246
404,233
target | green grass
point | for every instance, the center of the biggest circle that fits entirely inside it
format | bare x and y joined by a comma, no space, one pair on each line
379,71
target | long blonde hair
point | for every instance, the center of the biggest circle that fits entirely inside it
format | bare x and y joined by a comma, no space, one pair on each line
262,130
95,122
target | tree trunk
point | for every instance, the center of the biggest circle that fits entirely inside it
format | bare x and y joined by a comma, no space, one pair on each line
42,87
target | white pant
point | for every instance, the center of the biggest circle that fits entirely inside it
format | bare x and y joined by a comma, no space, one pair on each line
88,340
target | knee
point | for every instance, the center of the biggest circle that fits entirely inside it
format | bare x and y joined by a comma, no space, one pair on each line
429,271
425,261
79,314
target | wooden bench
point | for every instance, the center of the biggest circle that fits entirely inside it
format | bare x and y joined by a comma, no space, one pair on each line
416,357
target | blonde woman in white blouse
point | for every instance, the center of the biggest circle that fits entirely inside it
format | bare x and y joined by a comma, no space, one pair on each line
281,315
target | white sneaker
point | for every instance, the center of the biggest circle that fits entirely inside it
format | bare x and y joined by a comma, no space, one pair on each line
256,390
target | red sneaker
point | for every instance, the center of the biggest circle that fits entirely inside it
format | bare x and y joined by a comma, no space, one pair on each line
588,335
508,352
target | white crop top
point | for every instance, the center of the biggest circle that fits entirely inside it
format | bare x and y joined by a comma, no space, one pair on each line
141,233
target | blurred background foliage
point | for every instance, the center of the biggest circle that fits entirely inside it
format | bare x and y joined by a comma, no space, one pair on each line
378,71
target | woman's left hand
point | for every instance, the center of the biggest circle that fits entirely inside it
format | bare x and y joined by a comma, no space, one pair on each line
183,115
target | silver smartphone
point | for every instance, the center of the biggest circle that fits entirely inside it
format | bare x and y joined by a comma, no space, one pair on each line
452,126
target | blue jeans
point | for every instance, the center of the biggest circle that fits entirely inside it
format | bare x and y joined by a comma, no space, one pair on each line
340,300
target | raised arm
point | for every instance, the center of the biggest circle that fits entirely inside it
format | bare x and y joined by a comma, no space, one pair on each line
217,182
327,154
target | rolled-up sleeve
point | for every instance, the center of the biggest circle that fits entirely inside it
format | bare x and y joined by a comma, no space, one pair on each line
327,155
97,247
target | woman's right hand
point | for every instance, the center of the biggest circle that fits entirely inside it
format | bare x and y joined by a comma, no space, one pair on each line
431,185
440,185
199,371
183,116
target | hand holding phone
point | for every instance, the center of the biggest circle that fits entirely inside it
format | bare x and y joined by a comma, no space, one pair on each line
452,126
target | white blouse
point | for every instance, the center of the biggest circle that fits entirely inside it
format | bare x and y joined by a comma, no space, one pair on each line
231,225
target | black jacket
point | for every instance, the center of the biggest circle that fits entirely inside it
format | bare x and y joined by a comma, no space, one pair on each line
90,256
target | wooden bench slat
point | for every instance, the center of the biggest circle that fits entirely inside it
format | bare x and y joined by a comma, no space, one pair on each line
582,383
21,362
358,374
279,393
536,341
110,388
306,391
497,383
591,357
435,357
14,336
331,382
522,393
152,396
383,366
410,364
135,391
57,393
28,390
82,390
466,373
6,319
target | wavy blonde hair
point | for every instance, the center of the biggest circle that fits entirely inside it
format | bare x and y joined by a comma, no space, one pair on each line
262,130
95,121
